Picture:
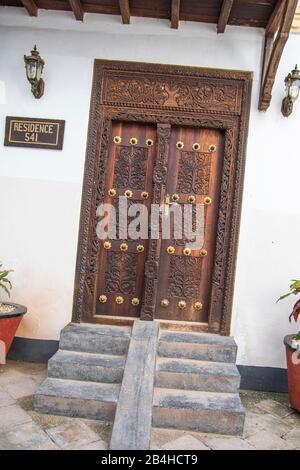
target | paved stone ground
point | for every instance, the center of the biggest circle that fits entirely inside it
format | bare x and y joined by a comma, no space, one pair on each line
270,423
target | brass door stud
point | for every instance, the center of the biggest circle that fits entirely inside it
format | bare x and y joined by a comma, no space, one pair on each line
117,139
198,305
112,192
207,200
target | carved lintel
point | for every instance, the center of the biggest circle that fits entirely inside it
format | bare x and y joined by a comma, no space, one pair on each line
133,90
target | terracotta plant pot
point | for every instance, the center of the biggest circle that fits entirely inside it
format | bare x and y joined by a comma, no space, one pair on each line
293,366
9,322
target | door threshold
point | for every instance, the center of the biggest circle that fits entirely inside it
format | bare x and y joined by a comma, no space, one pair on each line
174,325
113,320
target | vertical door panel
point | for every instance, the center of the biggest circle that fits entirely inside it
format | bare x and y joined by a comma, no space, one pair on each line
129,171
194,173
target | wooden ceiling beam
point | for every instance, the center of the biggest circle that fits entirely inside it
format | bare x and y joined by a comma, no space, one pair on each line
273,52
224,15
77,8
274,20
175,14
125,11
31,7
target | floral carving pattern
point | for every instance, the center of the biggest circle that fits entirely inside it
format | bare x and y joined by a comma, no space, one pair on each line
154,92
130,169
120,274
184,277
143,91
208,94
87,269
194,173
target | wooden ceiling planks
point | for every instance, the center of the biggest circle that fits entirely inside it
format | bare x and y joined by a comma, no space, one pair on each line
275,17
251,13
242,12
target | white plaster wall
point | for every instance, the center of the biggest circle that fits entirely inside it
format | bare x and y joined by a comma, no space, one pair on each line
40,190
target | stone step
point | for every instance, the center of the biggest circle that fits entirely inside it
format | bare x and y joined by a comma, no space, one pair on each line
74,365
74,398
101,339
198,346
208,412
197,375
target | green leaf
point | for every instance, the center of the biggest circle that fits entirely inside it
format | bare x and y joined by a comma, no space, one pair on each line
8,282
5,289
3,274
295,285
5,283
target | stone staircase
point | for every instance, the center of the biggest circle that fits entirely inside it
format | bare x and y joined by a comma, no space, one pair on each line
196,384
194,375
85,375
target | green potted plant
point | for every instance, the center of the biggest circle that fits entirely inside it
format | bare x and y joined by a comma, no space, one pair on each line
10,315
292,345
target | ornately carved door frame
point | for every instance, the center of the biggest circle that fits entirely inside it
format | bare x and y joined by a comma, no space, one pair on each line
174,95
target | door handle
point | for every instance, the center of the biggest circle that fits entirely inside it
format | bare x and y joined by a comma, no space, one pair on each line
166,205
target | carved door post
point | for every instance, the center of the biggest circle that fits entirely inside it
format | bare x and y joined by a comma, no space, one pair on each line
159,179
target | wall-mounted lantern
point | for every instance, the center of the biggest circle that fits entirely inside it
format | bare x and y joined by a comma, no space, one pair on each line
34,65
292,87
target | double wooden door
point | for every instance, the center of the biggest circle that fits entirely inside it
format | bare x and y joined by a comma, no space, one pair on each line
193,174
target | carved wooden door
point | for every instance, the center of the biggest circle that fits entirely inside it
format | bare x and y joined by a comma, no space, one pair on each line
193,161
193,177
166,104
129,173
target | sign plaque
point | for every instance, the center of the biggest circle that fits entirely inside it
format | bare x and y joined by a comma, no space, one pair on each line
34,133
